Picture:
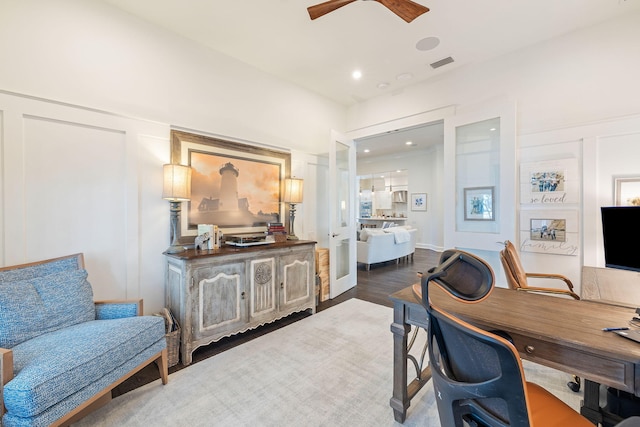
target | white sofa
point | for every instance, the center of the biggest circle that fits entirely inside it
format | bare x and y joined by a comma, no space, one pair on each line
381,245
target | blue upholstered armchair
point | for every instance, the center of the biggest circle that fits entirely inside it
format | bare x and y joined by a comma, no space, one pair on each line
61,354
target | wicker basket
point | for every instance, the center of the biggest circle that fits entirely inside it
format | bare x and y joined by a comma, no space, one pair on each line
173,346
172,335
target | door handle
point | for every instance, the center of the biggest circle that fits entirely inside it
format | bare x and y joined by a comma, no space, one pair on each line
335,234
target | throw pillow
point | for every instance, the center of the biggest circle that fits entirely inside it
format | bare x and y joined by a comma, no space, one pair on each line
376,232
36,306
38,270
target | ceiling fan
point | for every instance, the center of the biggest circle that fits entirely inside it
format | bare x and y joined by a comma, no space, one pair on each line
405,9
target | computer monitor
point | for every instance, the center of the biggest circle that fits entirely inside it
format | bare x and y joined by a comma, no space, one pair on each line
621,234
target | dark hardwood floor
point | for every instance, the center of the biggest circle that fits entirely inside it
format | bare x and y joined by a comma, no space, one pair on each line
374,285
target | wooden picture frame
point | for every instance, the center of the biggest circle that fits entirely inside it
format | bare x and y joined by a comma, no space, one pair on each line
236,186
478,204
550,182
550,231
627,190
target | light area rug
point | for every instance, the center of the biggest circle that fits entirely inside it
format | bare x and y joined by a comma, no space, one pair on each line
330,369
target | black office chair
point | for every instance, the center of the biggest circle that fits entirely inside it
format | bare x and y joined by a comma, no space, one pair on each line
477,375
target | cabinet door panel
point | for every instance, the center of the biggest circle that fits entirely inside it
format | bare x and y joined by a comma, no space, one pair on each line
262,276
296,281
219,297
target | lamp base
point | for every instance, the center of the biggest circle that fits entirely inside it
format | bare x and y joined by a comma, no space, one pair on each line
175,249
292,237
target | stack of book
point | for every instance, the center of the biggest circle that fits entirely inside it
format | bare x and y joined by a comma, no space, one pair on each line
276,231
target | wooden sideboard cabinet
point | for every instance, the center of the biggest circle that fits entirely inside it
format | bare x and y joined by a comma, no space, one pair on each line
222,292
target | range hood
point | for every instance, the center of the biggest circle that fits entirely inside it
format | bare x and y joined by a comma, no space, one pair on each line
400,196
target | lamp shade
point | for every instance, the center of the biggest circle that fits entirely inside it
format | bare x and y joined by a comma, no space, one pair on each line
177,183
293,190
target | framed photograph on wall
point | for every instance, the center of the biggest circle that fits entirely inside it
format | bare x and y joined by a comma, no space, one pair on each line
551,182
549,231
237,187
627,191
418,201
478,204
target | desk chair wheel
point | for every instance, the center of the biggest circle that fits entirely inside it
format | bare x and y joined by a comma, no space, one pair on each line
575,384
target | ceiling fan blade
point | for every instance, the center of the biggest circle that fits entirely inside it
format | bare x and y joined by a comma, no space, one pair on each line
329,6
405,9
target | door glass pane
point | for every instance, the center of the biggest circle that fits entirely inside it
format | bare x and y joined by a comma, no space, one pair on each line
478,176
342,207
344,198
343,266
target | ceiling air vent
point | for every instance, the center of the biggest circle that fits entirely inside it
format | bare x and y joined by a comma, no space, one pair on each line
445,61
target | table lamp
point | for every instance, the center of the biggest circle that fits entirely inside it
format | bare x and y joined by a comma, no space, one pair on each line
176,189
292,195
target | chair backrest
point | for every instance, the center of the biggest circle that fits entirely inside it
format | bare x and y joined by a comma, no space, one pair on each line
477,375
516,276
43,296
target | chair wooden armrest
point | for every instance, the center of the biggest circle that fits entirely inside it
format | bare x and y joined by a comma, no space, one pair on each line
6,374
551,276
115,301
553,290
549,291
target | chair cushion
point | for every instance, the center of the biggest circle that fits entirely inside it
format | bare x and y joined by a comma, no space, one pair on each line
51,367
38,305
548,411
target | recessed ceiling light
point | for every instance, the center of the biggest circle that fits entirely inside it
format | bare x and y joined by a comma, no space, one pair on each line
366,150
492,129
404,76
357,74
428,43
409,143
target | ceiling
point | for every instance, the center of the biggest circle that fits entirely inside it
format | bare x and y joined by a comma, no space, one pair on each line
396,143
278,37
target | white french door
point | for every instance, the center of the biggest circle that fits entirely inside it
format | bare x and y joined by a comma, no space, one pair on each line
342,205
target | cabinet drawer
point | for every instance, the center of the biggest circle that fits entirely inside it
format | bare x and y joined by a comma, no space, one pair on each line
617,374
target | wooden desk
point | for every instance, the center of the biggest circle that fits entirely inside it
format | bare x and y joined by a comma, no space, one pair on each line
560,333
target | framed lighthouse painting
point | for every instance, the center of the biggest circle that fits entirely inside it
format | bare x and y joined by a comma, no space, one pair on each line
236,186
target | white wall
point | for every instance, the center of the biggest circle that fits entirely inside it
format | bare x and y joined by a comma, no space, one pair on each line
90,54
582,77
576,97
81,181
88,96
